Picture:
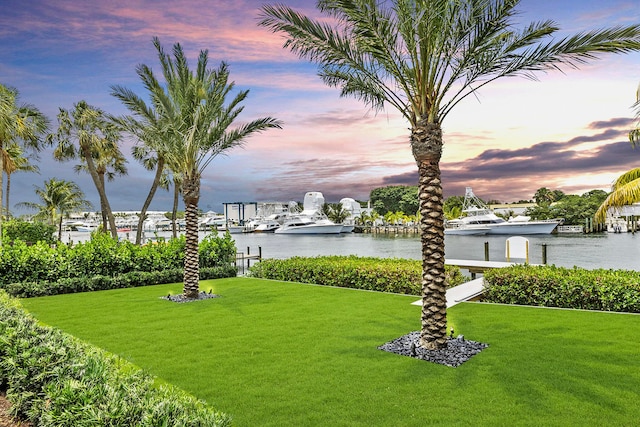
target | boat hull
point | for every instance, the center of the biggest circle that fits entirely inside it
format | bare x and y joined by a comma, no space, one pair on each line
480,231
310,229
524,228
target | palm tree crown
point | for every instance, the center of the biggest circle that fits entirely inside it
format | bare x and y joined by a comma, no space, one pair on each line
422,57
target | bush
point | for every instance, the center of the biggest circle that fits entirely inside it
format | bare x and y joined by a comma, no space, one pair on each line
377,274
550,286
53,379
30,232
104,263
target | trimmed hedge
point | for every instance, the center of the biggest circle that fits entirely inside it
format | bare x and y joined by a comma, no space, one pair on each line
53,379
100,283
550,286
104,263
395,275
104,256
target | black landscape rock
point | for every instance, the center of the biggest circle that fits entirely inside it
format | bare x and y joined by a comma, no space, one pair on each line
180,298
457,352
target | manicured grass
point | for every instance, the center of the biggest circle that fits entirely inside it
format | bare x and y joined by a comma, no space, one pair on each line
275,354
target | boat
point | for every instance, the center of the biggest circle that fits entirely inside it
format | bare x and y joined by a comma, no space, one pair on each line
300,224
311,220
479,219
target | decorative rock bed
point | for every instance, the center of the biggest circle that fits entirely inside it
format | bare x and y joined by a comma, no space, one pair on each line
457,352
180,298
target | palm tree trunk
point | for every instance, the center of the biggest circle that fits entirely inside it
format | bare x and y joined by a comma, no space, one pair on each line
147,202
8,189
174,210
60,228
104,202
426,142
191,195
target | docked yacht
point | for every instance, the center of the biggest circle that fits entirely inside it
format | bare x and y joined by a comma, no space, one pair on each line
311,220
479,219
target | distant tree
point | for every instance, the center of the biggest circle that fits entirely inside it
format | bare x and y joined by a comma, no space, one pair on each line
394,198
85,132
452,207
543,196
58,199
335,212
20,124
15,160
573,209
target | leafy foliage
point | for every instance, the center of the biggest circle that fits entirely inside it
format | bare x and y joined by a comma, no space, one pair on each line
54,379
573,208
395,198
376,274
550,286
16,229
105,263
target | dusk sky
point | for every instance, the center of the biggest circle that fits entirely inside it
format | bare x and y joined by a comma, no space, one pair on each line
567,131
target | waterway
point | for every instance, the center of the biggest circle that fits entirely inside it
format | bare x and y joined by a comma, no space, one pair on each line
598,250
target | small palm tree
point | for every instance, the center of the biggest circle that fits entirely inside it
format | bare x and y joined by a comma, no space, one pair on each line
15,161
19,124
58,199
191,126
423,58
86,132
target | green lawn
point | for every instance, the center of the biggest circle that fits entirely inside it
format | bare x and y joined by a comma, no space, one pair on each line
276,354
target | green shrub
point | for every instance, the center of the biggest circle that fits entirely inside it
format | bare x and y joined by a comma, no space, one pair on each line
54,379
105,263
376,274
550,286
30,232
99,283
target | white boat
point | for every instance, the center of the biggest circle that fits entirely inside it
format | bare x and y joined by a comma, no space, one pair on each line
300,224
479,219
311,220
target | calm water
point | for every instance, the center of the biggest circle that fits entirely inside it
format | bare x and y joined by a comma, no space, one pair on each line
618,251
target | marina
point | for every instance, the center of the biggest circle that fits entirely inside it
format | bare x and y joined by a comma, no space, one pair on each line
595,250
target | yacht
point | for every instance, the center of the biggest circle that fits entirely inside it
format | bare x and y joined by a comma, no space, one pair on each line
311,220
306,225
479,219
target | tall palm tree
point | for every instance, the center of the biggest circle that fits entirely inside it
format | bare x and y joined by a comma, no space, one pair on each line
20,124
423,57
146,125
634,134
58,199
15,160
191,126
109,162
85,132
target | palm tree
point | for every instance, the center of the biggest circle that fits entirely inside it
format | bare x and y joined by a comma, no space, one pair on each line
109,162
146,124
85,132
15,161
22,124
193,117
626,189
423,57
634,134
59,198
